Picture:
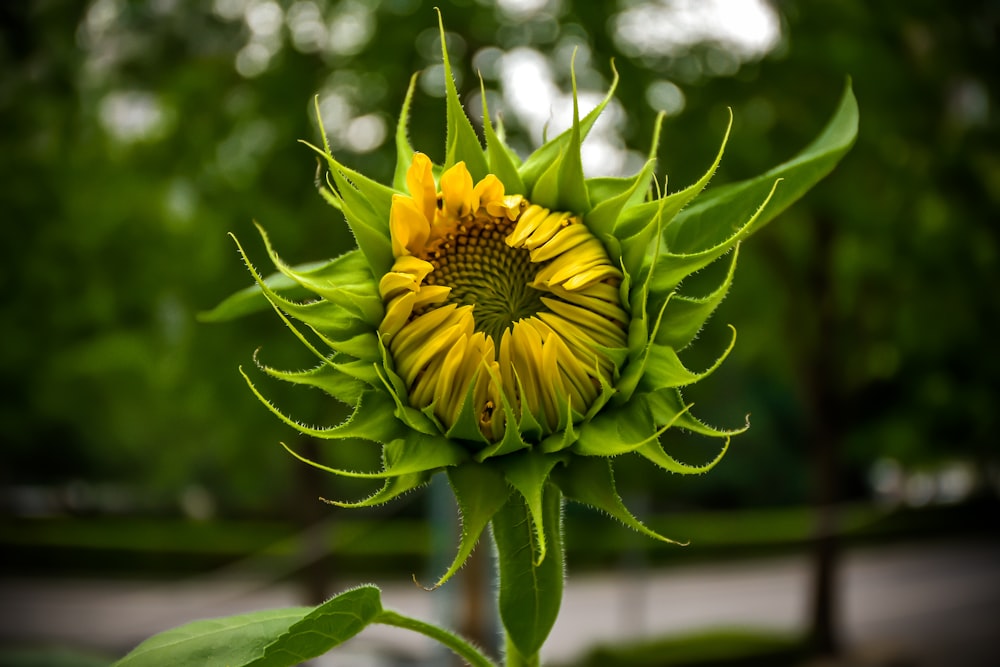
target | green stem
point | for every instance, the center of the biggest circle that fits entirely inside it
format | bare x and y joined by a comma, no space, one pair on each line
461,647
513,657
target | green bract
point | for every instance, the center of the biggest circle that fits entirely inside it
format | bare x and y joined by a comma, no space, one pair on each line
515,481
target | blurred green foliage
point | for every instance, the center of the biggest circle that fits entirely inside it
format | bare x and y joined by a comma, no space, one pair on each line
135,135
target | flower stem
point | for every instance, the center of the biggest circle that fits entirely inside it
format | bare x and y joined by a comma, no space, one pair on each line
513,658
461,647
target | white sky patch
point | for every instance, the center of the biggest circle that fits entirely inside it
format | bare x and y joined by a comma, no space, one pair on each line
531,95
747,28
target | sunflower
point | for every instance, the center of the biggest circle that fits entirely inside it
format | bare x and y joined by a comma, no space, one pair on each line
515,324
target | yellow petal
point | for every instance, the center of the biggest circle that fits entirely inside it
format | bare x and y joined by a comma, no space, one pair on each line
420,183
408,227
488,191
456,188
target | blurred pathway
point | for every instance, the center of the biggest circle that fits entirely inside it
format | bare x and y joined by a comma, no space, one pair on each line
938,605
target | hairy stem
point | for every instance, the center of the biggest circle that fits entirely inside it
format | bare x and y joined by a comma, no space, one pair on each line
462,648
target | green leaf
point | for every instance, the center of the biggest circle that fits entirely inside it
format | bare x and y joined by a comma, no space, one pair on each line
462,144
272,638
480,491
590,480
708,220
530,592
328,625
220,642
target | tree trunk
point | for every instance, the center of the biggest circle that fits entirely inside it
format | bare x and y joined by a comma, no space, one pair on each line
823,433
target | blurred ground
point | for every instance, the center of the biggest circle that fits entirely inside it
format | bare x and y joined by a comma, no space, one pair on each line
915,605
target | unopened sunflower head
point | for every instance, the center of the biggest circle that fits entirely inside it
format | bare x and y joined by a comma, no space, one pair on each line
514,323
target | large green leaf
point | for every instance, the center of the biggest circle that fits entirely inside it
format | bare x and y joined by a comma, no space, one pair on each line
325,627
272,638
530,592
710,218
284,637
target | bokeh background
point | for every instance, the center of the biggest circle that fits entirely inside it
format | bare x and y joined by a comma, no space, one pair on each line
135,135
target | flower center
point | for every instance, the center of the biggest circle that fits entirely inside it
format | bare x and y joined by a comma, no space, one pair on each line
481,269
499,314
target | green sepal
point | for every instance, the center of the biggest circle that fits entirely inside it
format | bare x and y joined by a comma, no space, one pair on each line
530,592
373,241
480,491
513,436
566,435
528,472
393,488
615,194
572,188
337,327
590,480
685,316
462,143
545,191
377,196
639,342
621,430
498,157
671,268
345,281
410,416
404,151
413,453
352,427
368,197
250,300
502,136
466,426
653,451
707,221
665,370
327,377
643,215
540,160
667,406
